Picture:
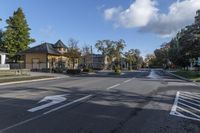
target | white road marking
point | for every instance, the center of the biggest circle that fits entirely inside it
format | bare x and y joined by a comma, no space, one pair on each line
186,105
189,112
191,96
175,103
189,99
70,103
198,94
54,100
189,102
189,106
113,86
127,81
21,123
41,115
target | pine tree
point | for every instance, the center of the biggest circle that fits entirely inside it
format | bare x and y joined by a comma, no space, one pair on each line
1,39
17,35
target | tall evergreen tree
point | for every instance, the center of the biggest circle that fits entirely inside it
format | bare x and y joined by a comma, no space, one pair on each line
1,39
17,35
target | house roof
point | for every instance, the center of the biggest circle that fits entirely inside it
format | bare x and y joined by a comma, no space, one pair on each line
47,48
59,44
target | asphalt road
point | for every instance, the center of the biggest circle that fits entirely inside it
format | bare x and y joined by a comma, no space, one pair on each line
136,102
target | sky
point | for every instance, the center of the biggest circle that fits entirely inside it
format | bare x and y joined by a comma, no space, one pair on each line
143,24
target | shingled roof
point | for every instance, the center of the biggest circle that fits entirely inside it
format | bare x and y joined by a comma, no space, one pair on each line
59,44
47,48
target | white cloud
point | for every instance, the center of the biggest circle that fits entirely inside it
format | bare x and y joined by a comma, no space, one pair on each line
112,13
145,15
137,15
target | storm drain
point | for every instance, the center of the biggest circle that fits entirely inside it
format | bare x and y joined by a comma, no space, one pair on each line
186,105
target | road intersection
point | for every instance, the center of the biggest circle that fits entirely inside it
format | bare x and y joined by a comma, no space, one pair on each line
136,102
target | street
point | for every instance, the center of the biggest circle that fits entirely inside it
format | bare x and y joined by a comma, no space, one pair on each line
135,102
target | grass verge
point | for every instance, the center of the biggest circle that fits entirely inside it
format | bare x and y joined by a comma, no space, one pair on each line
192,75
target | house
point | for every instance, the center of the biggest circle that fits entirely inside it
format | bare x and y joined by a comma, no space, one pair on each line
47,56
95,61
99,61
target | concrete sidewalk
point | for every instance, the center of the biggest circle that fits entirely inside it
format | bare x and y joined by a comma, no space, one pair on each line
49,74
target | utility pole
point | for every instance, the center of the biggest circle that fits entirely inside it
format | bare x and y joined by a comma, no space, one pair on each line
91,55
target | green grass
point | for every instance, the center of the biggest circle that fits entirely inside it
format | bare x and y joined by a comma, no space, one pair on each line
193,75
14,79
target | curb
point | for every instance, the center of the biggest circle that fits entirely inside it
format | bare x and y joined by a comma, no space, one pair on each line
180,77
28,81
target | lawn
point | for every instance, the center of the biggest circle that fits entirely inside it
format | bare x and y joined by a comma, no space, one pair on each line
193,75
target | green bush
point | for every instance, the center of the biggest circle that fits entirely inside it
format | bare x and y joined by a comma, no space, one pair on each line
73,71
117,70
188,74
59,70
87,70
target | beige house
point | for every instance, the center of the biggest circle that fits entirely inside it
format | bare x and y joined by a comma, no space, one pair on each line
47,56
95,61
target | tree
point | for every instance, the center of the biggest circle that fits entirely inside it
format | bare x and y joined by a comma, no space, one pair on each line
162,55
106,48
150,60
133,58
73,52
17,35
86,50
118,48
1,39
130,58
88,57
185,45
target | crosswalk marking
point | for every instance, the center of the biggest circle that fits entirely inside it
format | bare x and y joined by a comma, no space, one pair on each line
186,105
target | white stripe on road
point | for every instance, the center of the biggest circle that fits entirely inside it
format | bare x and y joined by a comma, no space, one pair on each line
189,112
191,96
175,103
68,104
113,86
189,106
41,115
198,105
127,81
197,101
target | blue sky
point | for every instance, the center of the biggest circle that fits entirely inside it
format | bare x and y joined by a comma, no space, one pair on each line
85,21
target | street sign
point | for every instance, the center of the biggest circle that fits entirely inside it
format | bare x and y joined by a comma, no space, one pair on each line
55,99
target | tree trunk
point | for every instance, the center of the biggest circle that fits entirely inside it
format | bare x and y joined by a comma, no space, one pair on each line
73,62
